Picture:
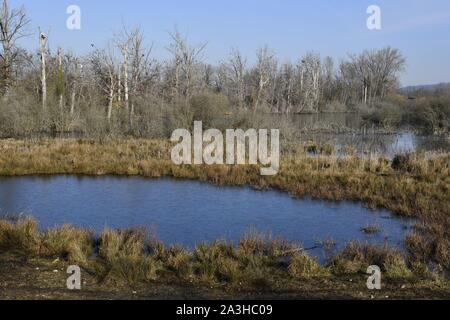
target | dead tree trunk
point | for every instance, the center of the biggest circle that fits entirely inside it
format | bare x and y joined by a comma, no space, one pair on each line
77,78
42,45
126,89
60,81
119,85
110,104
72,100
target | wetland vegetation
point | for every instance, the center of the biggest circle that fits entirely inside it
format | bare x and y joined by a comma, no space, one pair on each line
413,186
349,134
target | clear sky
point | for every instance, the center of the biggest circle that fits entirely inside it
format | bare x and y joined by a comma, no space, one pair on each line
419,28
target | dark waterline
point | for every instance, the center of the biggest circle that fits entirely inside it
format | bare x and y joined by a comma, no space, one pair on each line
188,213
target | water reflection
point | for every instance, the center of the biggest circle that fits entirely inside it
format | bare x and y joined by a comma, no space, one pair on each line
364,139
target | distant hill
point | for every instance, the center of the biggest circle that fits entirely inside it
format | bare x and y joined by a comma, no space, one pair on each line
428,88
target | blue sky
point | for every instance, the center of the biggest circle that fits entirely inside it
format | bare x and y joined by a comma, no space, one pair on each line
419,28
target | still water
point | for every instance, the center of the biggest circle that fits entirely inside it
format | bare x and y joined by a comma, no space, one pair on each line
188,213
364,138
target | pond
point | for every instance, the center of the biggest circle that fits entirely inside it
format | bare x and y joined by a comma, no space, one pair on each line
363,139
387,145
188,212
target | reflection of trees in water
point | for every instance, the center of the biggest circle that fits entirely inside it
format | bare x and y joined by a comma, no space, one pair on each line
365,140
433,143
8,194
386,144
372,143
328,120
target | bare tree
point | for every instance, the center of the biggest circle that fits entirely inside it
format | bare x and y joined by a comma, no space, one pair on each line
12,27
60,80
141,67
328,79
207,77
135,68
373,73
123,43
185,62
235,73
287,84
104,67
119,83
74,71
385,64
42,52
125,75
265,68
310,83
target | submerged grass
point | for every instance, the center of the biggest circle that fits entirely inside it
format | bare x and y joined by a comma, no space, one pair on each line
370,229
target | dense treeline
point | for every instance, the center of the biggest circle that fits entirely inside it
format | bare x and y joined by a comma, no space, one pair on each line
123,90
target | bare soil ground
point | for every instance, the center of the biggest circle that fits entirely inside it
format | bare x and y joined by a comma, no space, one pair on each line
46,280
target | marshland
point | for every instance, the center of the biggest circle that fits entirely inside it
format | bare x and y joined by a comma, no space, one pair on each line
249,263
86,176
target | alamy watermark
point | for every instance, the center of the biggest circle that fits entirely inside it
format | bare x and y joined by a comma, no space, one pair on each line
374,281
374,20
212,148
74,280
74,20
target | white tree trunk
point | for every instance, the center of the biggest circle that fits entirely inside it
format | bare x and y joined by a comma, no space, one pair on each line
61,101
119,85
125,76
72,101
42,44
110,103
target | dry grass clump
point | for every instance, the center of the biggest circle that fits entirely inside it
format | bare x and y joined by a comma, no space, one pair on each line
21,237
418,247
256,243
179,262
424,246
68,243
356,258
121,258
305,267
128,243
216,262
396,267
252,263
